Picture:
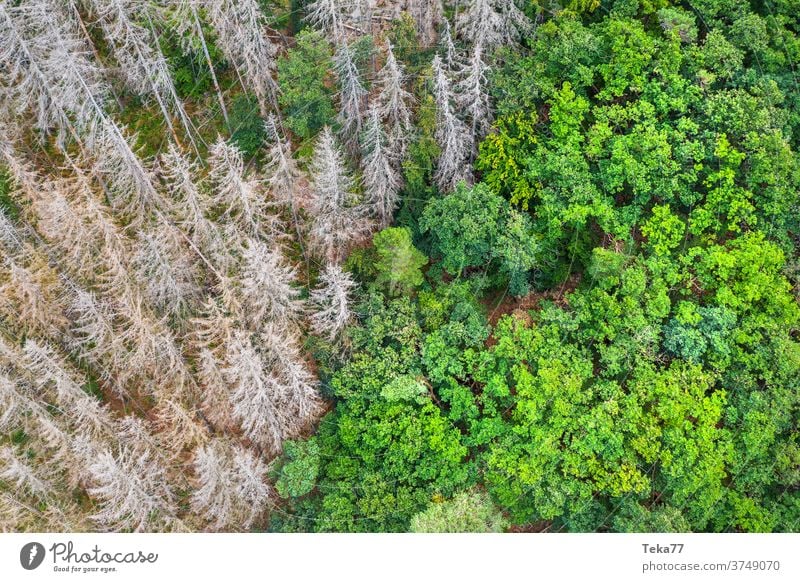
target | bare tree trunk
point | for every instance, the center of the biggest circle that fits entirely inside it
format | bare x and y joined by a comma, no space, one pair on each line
82,25
211,67
185,121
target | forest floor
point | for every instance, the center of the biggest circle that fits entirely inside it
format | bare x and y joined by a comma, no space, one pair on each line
535,527
501,304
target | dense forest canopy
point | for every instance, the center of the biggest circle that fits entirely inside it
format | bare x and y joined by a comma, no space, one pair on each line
490,265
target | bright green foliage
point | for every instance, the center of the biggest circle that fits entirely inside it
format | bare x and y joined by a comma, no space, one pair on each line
388,450
745,275
601,123
388,459
570,417
631,52
304,76
581,416
469,511
626,426
398,262
473,227
517,250
651,156
404,387
697,332
582,5
299,471
664,230
502,157
464,226
727,206
678,23
634,517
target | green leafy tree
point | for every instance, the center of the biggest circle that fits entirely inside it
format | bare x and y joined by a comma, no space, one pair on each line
464,226
656,164
468,511
304,75
247,127
419,164
664,230
474,227
502,156
298,474
398,263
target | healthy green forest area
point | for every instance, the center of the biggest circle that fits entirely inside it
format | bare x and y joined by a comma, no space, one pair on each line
575,307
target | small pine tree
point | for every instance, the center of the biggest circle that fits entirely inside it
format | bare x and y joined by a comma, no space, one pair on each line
472,96
451,134
493,23
394,103
381,181
331,301
232,487
336,219
268,288
352,94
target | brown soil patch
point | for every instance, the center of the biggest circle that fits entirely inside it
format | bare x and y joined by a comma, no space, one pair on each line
535,527
519,306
